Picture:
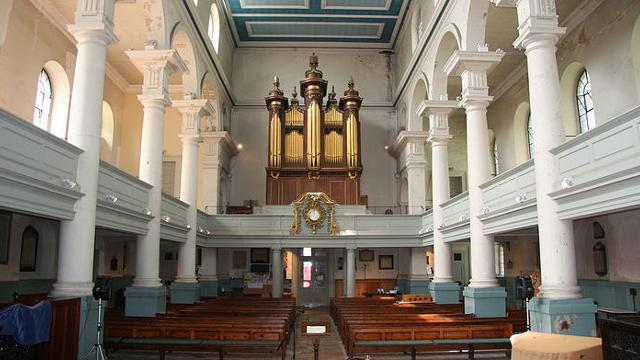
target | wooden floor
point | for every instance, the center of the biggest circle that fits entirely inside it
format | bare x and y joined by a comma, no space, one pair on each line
330,349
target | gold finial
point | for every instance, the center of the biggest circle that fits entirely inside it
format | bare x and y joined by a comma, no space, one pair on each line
313,61
332,94
294,94
351,83
276,82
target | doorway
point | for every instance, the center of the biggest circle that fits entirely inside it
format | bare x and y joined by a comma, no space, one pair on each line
315,277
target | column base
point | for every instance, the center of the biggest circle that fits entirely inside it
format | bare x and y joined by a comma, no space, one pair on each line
417,286
485,302
208,288
145,301
569,316
184,292
445,292
66,290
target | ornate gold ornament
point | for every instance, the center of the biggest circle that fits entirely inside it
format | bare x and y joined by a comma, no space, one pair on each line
316,208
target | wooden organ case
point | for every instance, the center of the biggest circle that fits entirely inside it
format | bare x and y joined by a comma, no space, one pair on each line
312,149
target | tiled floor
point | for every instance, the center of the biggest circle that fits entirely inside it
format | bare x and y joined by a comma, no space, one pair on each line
330,349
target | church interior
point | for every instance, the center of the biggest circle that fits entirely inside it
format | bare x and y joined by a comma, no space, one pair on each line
380,179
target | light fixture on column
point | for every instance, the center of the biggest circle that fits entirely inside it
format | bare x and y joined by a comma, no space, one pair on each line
463,218
207,232
239,146
567,182
188,226
200,230
70,184
521,198
147,211
166,218
484,211
112,198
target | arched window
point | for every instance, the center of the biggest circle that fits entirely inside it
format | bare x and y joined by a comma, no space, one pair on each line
44,96
530,135
495,157
214,26
586,118
416,24
106,133
29,249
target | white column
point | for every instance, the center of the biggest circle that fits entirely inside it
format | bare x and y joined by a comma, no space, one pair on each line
156,66
350,272
93,30
276,272
439,138
191,110
209,268
408,148
473,68
418,265
539,32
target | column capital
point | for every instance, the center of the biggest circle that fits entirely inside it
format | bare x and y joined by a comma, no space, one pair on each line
160,101
537,24
156,65
190,139
196,106
191,110
213,138
438,111
94,21
472,67
407,139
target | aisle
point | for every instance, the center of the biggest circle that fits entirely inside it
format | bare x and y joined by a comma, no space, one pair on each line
330,348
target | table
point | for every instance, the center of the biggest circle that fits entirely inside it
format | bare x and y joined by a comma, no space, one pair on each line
533,345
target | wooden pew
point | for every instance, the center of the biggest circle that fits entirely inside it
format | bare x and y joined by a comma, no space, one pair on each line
237,325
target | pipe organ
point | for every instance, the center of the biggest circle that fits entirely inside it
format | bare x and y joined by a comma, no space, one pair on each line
313,148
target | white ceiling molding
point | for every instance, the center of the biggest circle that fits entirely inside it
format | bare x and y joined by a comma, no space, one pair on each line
572,21
60,22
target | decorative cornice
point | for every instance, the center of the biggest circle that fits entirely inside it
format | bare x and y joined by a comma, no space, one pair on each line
222,137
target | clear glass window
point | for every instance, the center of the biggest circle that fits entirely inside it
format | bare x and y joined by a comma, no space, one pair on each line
586,117
530,135
44,96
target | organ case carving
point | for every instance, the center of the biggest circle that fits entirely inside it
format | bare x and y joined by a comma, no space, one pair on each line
313,148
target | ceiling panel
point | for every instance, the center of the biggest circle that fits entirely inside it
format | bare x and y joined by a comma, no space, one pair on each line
318,23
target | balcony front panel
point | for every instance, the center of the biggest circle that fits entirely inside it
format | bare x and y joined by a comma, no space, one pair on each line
37,170
599,171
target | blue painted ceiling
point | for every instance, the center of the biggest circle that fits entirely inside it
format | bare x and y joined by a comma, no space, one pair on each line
316,23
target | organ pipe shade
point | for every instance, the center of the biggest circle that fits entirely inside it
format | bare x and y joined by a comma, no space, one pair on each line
313,135
333,148
352,141
333,117
294,117
294,144
275,142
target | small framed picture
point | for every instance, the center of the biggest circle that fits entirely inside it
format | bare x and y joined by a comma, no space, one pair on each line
365,255
259,255
5,233
385,262
29,250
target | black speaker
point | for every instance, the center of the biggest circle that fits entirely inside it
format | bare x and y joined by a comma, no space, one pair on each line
102,288
524,287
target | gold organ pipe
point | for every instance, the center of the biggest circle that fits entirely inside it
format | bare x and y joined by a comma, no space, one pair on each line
313,135
275,144
333,147
293,150
352,141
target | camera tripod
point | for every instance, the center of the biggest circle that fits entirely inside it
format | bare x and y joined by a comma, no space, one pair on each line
98,348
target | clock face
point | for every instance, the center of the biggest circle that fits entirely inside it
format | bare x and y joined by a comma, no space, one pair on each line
314,215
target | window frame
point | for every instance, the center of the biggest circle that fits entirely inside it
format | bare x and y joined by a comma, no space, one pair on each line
43,97
584,102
